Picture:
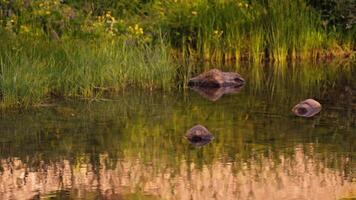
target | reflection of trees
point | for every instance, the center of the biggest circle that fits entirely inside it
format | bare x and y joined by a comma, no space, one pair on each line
303,176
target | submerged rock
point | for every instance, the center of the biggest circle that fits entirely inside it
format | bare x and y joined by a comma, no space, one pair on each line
213,94
307,108
214,78
199,135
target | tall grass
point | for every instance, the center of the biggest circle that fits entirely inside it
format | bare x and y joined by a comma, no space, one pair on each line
84,48
253,30
32,70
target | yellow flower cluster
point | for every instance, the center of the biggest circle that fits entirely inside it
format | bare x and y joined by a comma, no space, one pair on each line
107,22
107,18
45,7
136,30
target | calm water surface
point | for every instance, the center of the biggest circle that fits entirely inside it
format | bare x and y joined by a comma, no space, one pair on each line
131,146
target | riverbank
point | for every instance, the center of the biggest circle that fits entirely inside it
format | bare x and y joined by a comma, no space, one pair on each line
81,49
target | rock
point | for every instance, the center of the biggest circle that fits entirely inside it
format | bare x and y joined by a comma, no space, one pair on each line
214,78
199,135
213,94
307,108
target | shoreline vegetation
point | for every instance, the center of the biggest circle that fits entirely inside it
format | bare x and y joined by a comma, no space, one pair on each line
77,48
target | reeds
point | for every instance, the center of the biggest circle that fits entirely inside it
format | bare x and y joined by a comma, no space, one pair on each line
255,30
32,70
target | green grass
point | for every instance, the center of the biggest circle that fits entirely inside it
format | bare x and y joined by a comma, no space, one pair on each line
32,70
50,48
221,30
226,30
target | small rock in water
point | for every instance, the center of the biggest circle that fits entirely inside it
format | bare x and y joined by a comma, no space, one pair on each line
216,78
307,108
199,135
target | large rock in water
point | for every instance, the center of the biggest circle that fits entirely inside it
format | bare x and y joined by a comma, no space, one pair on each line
307,108
199,135
216,78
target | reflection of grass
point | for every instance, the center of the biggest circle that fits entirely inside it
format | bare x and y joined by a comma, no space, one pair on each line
139,196
94,195
350,196
69,195
151,127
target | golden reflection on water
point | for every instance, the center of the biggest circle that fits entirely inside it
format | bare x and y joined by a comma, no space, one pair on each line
301,176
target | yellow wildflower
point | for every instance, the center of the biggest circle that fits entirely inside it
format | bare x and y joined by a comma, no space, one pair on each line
136,30
195,13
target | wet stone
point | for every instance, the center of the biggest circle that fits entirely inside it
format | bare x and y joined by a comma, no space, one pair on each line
214,78
199,135
307,108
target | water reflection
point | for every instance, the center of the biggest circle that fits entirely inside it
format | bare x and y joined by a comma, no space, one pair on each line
301,176
213,94
133,147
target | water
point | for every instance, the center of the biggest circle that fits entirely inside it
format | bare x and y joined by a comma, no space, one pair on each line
131,146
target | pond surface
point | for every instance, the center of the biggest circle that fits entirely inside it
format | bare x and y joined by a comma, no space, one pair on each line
132,145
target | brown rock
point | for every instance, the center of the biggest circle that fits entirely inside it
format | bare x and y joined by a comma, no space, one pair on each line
199,135
307,108
216,78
